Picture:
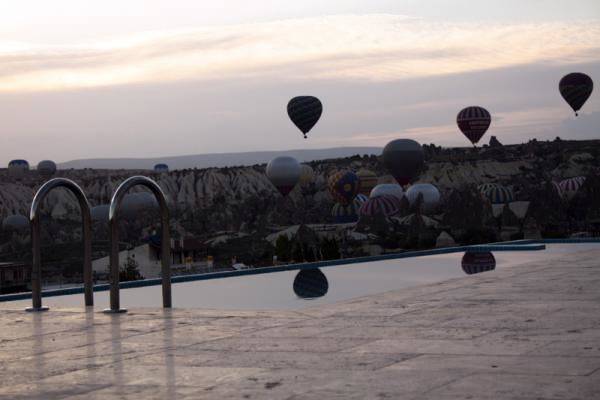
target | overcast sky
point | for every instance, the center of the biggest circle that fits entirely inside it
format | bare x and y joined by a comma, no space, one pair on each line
146,78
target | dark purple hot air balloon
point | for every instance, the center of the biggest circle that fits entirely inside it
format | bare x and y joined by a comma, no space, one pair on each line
473,122
576,88
305,111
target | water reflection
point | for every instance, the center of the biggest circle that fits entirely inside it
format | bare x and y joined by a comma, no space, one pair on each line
310,284
478,262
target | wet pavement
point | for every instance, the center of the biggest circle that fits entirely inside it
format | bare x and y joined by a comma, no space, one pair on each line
527,331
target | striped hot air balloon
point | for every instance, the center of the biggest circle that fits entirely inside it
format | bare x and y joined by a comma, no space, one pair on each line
343,186
305,111
569,187
485,186
344,214
384,204
576,88
368,180
473,122
477,262
498,194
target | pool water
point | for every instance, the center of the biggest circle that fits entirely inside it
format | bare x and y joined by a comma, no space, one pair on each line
289,290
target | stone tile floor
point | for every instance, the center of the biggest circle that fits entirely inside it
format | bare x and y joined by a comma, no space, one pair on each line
526,332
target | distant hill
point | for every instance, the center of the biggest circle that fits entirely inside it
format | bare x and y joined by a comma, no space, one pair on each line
218,159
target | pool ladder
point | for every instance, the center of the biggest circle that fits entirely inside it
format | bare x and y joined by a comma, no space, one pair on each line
113,219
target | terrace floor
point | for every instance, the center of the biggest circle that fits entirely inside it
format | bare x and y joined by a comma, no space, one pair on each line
525,332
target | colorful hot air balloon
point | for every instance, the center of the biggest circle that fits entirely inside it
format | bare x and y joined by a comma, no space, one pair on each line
368,180
498,194
384,204
404,159
161,168
305,111
485,186
344,214
46,168
343,186
473,122
284,173
576,88
307,175
431,195
310,284
390,189
569,187
477,262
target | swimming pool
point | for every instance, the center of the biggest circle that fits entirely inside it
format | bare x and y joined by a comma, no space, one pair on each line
296,290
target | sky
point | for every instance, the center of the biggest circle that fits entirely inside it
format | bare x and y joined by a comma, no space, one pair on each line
150,78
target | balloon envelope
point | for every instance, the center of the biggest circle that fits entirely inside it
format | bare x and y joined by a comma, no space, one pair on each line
390,189
473,122
477,262
570,186
404,159
576,88
307,175
18,168
160,168
431,195
284,173
46,168
385,204
16,222
305,111
368,180
343,186
310,284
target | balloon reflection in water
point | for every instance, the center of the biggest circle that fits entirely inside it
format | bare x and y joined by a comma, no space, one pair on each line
310,284
477,262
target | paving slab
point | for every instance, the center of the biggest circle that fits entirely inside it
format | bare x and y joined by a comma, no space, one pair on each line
529,331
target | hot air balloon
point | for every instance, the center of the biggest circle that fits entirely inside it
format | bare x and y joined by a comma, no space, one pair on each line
305,111
368,180
344,214
431,195
18,168
498,194
310,284
46,168
307,175
477,262
135,203
284,173
161,168
569,187
473,122
390,189
16,223
100,213
343,186
485,186
576,88
384,204
404,159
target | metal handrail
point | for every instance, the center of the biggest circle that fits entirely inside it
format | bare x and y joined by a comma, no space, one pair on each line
34,221
115,203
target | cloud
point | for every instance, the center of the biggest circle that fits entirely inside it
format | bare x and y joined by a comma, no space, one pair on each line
345,47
